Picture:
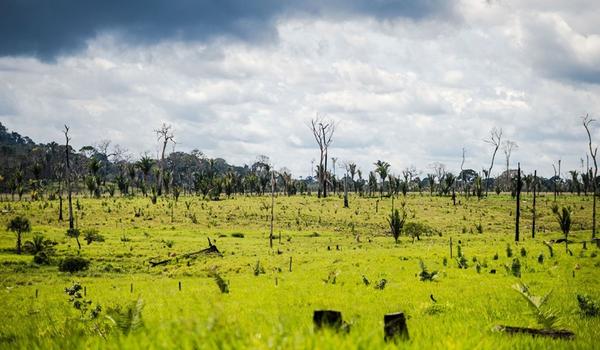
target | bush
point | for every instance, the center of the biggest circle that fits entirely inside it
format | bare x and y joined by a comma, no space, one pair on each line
73,264
92,235
516,268
417,229
587,306
41,258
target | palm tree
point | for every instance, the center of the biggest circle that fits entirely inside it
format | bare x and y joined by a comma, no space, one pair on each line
382,169
352,172
575,186
563,216
36,245
145,165
19,225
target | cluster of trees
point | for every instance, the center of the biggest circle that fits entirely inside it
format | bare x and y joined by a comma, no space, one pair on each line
105,170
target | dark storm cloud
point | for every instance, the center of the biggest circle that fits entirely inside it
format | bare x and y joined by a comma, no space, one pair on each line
46,29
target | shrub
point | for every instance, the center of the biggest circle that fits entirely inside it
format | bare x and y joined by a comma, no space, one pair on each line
380,285
425,275
516,267
417,229
258,269
509,252
587,306
73,264
41,258
396,222
92,235
523,252
541,258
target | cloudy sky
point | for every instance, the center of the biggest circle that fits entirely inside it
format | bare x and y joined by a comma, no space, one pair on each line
409,82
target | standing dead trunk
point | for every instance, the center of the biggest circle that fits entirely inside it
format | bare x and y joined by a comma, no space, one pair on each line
272,207
518,212
533,210
68,178
593,152
494,140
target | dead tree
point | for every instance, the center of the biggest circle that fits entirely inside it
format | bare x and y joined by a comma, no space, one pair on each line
272,208
323,132
533,212
494,140
507,147
165,133
593,152
67,176
518,211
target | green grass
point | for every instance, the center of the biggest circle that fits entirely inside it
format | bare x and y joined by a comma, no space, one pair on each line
274,310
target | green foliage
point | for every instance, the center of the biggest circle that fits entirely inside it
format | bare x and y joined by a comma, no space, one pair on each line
545,317
74,233
380,285
418,229
19,225
38,244
523,252
73,264
221,283
82,304
41,258
509,252
258,269
92,235
515,267
396,222
425,275
563,216
587,306
129,318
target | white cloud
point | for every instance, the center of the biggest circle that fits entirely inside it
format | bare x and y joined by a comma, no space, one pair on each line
408,92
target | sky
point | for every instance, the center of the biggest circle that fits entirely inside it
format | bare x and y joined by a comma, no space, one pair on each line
408,82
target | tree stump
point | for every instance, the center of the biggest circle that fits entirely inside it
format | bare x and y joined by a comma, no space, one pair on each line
327,319
394,326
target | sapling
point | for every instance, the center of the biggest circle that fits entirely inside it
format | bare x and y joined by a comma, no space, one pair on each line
425,275
563,216
396,221
545,316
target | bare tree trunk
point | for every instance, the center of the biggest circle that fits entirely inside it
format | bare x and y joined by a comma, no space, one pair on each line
60,201
495,139
272,207
593,152
518,212
68,178
345,192
534,214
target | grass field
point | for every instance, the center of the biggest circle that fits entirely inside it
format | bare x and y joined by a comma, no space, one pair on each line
331,248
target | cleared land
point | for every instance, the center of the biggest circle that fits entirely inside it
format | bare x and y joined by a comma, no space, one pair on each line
332,248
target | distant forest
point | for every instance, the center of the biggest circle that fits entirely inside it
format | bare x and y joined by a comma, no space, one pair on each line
36,170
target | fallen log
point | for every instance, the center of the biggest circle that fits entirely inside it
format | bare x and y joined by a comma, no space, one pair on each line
212,249
552,333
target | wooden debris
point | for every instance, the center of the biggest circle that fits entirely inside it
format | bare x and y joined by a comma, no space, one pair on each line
552,333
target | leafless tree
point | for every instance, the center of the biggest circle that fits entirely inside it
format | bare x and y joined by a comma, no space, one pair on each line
593,152
165,133
508,147
67,175
322,130
495,139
